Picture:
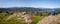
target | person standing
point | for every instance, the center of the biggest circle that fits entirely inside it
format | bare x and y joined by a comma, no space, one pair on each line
54,12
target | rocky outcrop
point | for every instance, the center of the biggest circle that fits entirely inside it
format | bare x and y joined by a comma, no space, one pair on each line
21,16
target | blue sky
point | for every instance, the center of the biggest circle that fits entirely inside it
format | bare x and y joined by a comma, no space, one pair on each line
30,3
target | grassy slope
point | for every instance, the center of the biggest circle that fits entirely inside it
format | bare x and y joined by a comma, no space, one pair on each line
37,18
12,21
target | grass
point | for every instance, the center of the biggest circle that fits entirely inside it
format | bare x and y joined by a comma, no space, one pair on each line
37,18
13,21
34,18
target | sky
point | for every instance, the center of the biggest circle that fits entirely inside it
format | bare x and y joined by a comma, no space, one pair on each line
30,3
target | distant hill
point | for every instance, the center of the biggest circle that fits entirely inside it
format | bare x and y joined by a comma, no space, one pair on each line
26,9
57,9
20,9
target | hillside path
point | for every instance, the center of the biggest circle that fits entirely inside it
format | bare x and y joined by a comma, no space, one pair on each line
50,20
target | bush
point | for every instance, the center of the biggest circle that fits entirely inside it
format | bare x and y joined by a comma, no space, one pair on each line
41,13
58,12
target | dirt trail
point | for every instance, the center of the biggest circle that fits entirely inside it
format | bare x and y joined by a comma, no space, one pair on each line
50,20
